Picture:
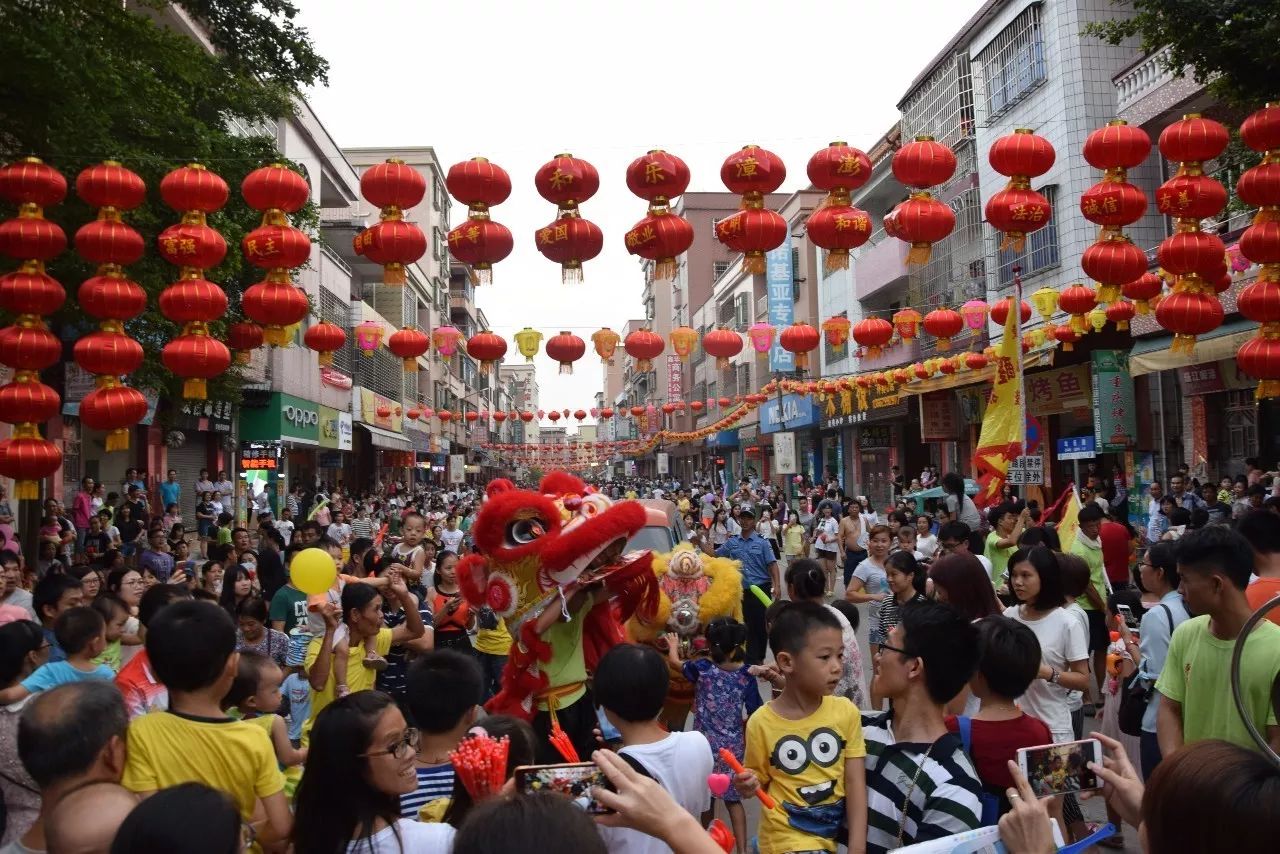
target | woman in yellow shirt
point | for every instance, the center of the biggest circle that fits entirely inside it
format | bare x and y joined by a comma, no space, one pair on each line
492,644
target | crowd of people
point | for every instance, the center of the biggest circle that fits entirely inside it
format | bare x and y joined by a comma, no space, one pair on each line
183,694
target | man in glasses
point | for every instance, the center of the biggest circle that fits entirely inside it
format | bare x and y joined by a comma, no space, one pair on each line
954,538
911,757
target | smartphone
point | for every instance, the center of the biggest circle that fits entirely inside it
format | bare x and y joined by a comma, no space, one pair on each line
573,780
1058,769
1127,612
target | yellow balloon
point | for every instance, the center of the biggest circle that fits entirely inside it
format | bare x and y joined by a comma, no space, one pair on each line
313,571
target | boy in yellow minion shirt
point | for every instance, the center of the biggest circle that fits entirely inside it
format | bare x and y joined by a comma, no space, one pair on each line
805,747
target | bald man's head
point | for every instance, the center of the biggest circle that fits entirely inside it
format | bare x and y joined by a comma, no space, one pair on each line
86,819
74,731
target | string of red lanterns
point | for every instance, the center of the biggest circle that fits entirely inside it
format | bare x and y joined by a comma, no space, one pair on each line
479,242
1260,243
571,239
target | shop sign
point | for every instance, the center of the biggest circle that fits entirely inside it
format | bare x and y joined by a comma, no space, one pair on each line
784,453
285,417
938,421
1210,377
205,415
790,412
664,463
724,439
1199,436
860,405
370,402
344,431
1026,470
1115,421
878,437
780,289
260,456
457,468
334,378
1061,390
1077,448
675,378
328,427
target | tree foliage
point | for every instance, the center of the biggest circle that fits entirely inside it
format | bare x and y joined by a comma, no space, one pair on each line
89,80
1230,45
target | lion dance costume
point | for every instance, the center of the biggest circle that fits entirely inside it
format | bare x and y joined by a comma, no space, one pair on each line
550,562
693,589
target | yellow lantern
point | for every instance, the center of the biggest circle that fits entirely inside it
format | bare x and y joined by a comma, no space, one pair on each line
605,341
1046,302
528,341
1097,319
837,331
683,340
1037,337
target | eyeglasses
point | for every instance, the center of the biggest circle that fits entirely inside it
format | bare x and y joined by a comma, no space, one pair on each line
407,742
897,649
946,547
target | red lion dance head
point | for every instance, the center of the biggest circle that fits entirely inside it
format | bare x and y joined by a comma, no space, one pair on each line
535,551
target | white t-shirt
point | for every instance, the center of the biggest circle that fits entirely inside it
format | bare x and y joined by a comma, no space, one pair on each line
680,763
1077,698
285,527
452,540
828,528
928,546
1062,640
415,836
965,511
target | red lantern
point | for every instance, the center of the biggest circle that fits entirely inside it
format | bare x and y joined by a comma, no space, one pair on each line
384,411
1193,139
1111,263
838,170
722,343
838,228
190,300
567,348
975,361
324,337
924,162
1187,314
800,339
109,241
394,244
753,172
31,237
724,401
108,352
112,296
1260,242
481,243
275,305
1260,186
28,290
1191,196
1021,154
408,344
113,408
393,184
566,181
194,191
1261,130
753,232
644,346
31,182
28,459
275,187
1113,203
661,237
1000,311
413,413
907,323
1120,313
500,416
276,247
28,345
242,338
943,324
1018,211
695,405
1143,290
488,348
192,246
1119,145
1077,301
658,177
554,416
873,334
1260,358
921,221
471,416
1066,335
1260,301
195,357
29,400
526,416
1191,251
667,409
569,241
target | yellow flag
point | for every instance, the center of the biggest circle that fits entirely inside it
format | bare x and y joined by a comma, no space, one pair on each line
1004,424
1070,523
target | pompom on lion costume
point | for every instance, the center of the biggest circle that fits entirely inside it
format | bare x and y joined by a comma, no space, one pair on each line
694,588
550,563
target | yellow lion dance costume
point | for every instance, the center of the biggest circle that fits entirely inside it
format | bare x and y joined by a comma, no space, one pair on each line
694,588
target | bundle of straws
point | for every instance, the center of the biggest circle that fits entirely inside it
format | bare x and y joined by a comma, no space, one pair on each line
481,764
560,741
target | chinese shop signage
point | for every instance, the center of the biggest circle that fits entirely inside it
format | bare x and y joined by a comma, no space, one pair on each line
939,420
1061,390
1115,423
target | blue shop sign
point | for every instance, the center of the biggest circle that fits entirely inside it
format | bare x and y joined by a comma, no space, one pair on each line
791,412
724,439
1077,448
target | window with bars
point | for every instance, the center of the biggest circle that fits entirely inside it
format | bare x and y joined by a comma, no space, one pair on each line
1013,64
1040,252
742,310
942,106
718,269
744,378
384,373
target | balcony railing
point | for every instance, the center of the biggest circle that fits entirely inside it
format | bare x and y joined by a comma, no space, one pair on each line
1140,80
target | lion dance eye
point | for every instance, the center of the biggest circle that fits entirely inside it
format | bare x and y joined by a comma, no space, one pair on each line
524,531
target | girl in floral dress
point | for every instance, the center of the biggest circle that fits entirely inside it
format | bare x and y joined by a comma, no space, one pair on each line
722,691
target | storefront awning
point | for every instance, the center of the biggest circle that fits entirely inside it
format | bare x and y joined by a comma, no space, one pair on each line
960,379
1152,354
386,439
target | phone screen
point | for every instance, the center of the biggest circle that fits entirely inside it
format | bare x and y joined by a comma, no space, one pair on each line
573,780
1056,769
1127,612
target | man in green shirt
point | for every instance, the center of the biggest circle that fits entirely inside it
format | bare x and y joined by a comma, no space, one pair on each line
288,608
1195,684
1088,546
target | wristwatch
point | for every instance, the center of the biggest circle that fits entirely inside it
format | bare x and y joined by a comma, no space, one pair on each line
1054,674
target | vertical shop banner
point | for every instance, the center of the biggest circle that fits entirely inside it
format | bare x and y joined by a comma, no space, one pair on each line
779,286
457,468
1115,421
784,453
938,421
1199,436
1143,467
664,463
675,378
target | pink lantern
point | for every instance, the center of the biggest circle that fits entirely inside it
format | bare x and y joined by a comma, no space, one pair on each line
974,313
761,335
594,412
369,337
445,339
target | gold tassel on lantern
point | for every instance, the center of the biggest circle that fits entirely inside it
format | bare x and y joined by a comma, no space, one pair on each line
194,388
837,259
276,336
118,439
920,253
753,262
411,365
393,274
325,358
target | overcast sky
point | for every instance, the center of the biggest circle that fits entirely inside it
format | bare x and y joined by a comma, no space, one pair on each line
519,82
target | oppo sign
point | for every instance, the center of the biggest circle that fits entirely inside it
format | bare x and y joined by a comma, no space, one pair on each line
299,417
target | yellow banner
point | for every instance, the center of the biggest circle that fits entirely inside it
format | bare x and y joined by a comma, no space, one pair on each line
1003,425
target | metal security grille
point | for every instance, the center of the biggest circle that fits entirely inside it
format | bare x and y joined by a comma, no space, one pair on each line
942,106
333,310
1040,253
383,372
1013,64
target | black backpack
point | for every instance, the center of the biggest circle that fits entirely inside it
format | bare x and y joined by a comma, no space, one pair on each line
1135,695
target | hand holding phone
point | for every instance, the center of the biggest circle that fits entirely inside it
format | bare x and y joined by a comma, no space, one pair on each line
1059,769
576,781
